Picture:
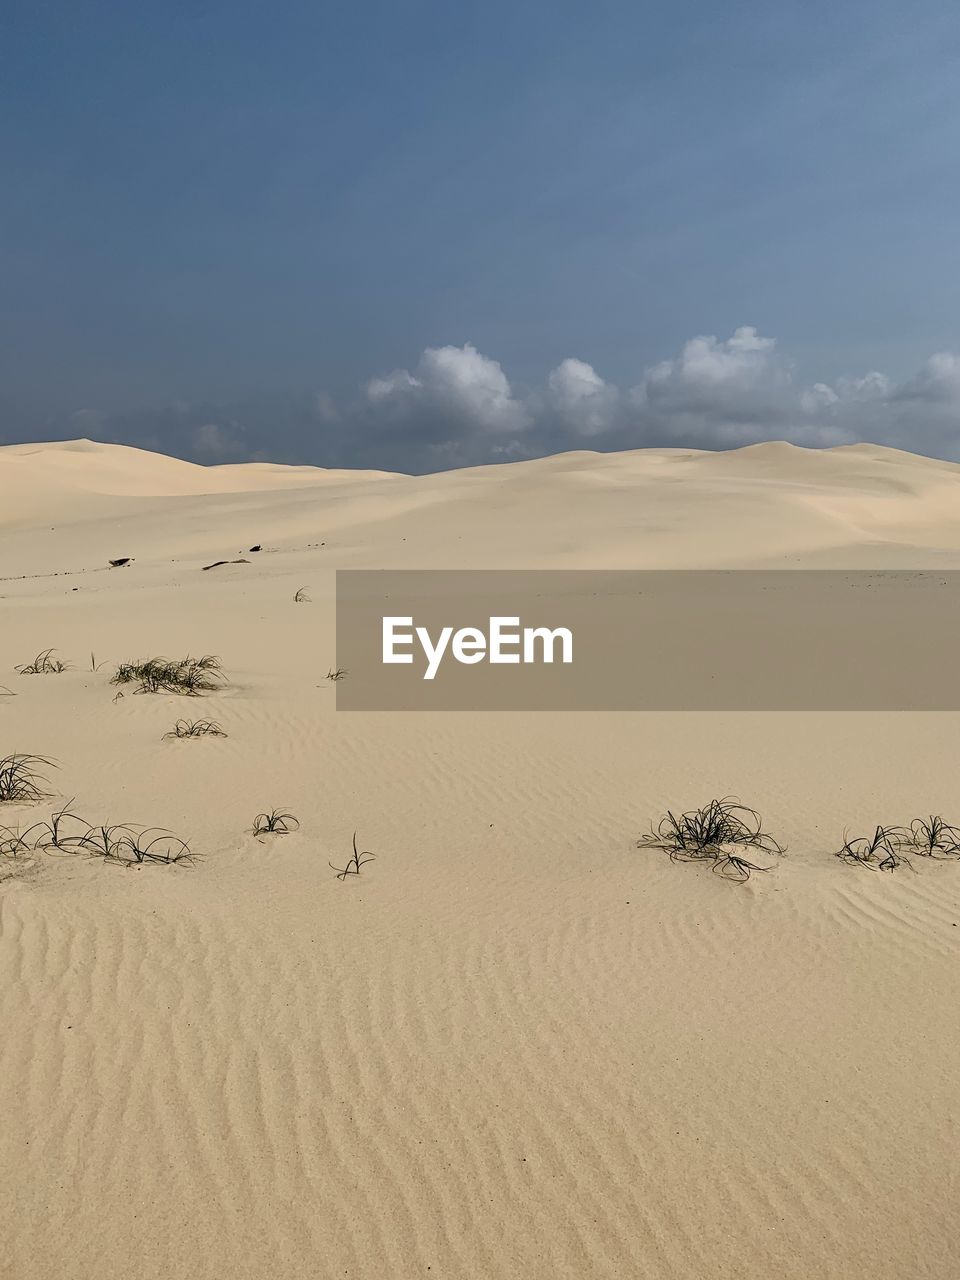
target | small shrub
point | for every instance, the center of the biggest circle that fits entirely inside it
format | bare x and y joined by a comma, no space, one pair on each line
337,675
275,823
44,664
301,596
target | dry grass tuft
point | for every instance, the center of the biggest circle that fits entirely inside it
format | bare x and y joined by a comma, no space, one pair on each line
44,664
713,834
356,863
196,729
275,823
21,779
190,676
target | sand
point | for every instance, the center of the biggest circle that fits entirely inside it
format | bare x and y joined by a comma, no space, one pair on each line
516,1046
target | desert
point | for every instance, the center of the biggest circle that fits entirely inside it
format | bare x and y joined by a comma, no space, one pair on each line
511,1044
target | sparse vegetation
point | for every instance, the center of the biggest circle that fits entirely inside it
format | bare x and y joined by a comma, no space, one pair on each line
21,779
190,676
301,596
65,830
933,838
713,834
120,843
44,664
338,674
891,847
356,863
128,846
883,851
14,843
196,729
275,823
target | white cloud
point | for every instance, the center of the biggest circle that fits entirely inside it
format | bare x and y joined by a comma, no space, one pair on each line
708,365
575,381
872,386
581,398
392,385
457,408
468,387
720,394
818,397
938,381
726,392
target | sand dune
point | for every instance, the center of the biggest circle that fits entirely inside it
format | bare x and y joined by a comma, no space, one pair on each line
517,1047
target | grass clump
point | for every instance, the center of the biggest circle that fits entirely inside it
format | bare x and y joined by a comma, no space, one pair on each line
892,847
65,831
15,843
129,846
196,729
336,675
190,676
883,851
933,838
21,779
121,843
356,863
275,823
714,834
44,664
55,834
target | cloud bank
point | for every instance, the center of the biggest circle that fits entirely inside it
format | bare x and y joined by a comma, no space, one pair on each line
457,407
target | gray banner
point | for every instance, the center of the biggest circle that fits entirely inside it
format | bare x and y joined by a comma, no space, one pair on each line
648,640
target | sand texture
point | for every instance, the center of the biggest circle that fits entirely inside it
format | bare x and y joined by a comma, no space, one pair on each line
516,1047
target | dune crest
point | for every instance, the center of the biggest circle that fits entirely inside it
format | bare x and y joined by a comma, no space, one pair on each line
768,504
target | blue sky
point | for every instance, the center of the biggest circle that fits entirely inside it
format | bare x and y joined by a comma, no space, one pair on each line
223,223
